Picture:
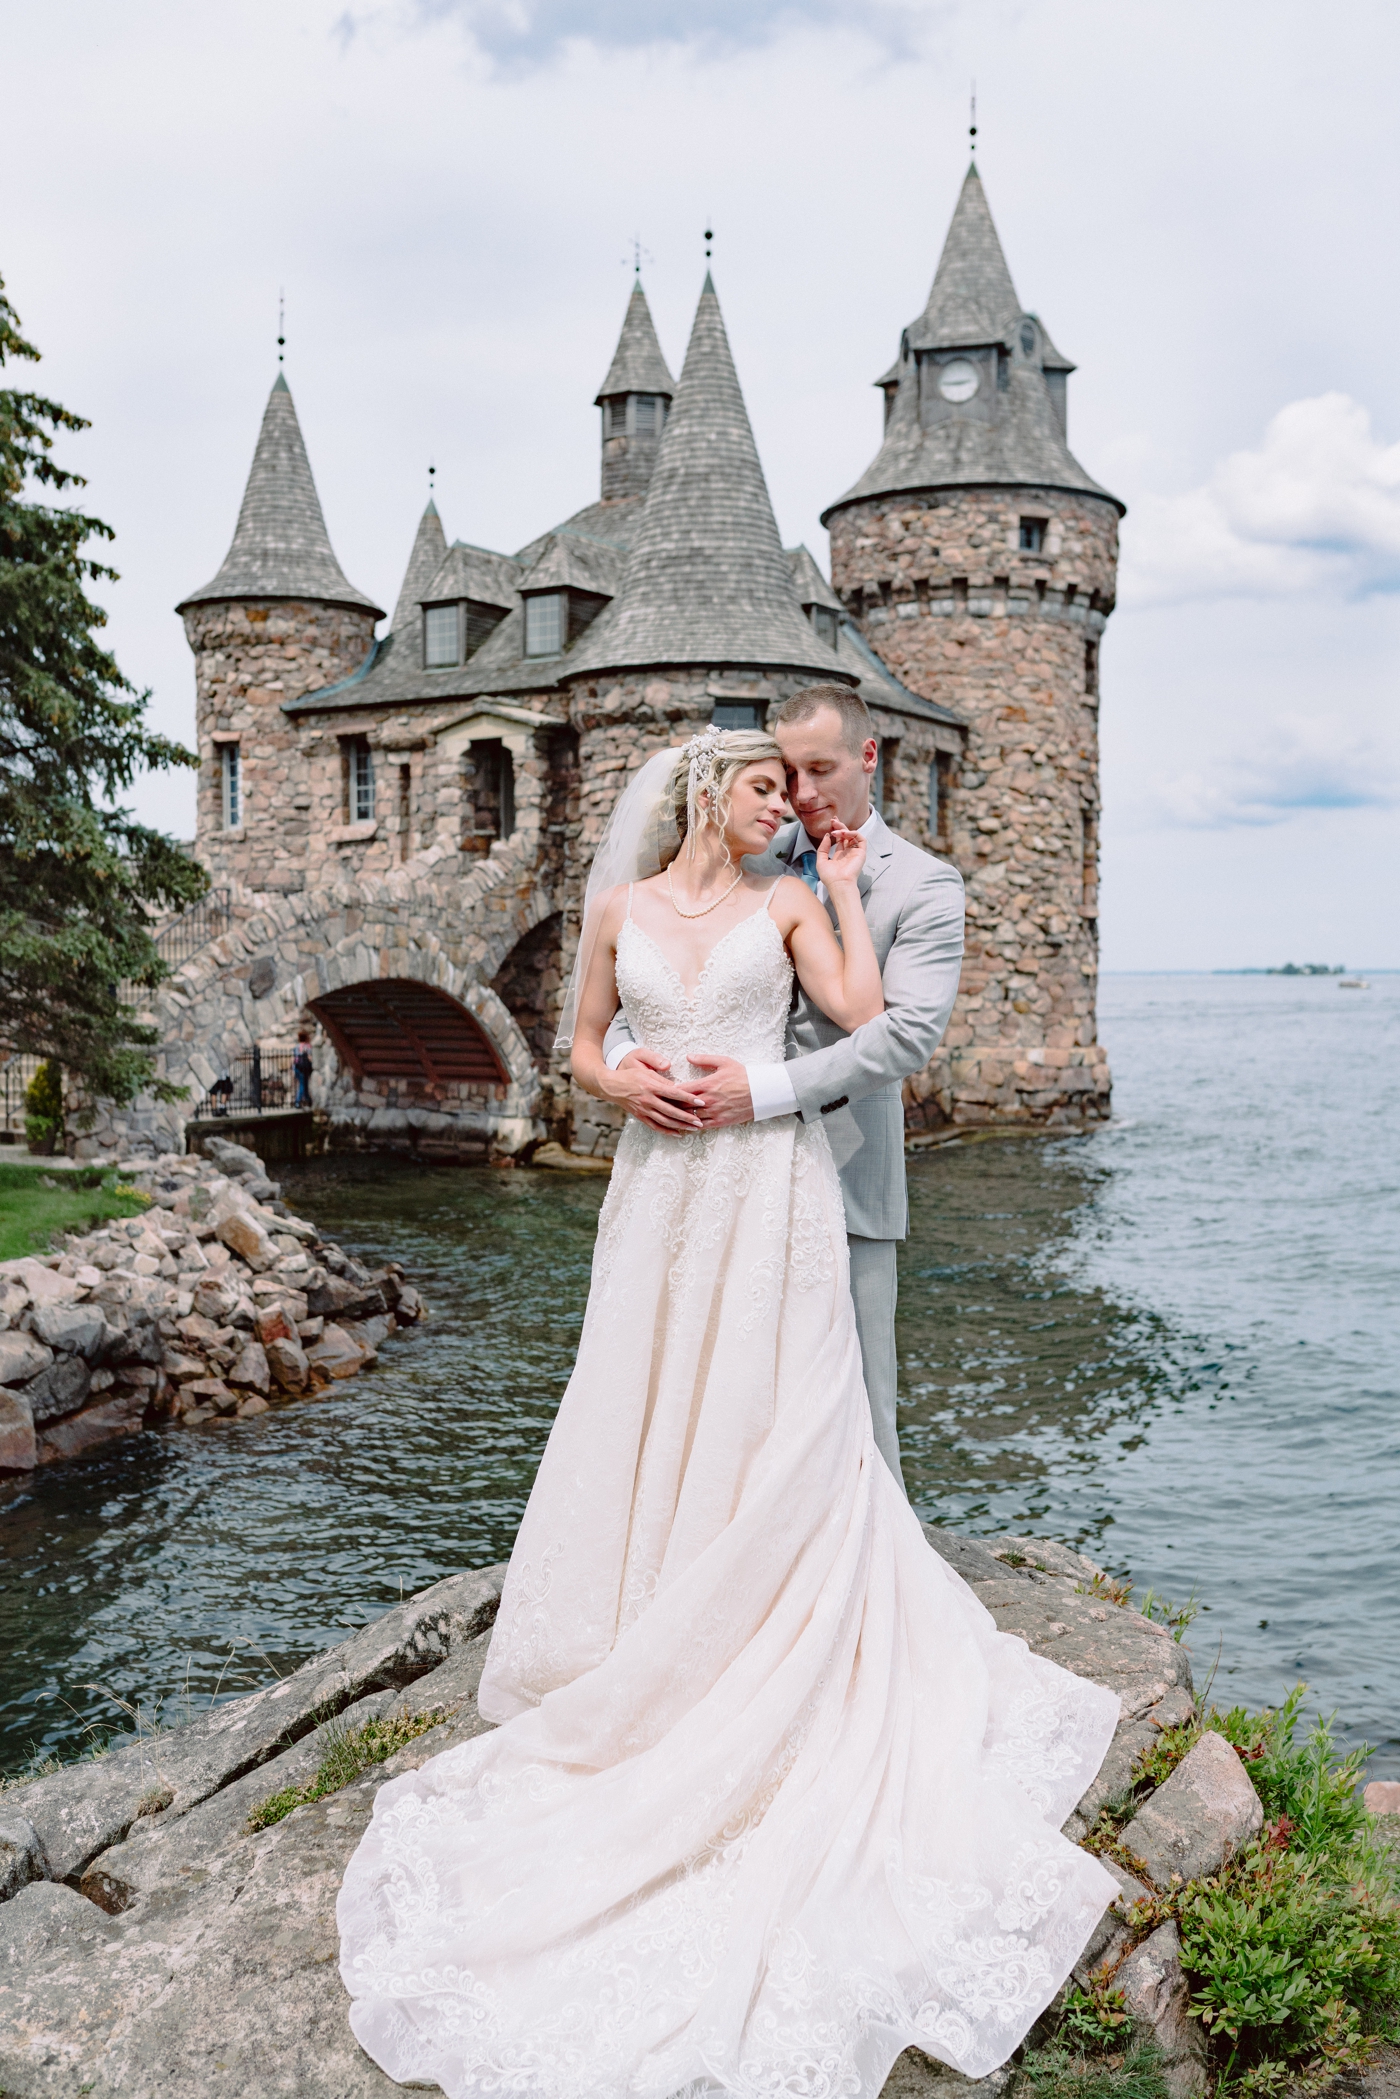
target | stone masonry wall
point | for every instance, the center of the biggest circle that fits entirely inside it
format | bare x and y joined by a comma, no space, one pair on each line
1009,640
250,656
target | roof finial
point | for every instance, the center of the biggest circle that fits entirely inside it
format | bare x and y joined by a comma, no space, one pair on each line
281,323
635,258
709,236
432,486
972,123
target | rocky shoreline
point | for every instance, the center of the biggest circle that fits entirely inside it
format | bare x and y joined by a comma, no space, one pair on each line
216,1302
154,1944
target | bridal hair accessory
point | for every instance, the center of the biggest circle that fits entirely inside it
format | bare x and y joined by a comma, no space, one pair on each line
643,834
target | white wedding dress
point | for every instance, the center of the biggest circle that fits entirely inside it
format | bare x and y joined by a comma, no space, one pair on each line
771,1798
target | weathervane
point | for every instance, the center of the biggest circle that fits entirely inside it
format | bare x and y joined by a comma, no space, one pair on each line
635,258
281,323
972,126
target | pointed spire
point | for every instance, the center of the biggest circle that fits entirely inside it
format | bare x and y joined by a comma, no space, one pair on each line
973,299
281,548
638,366
1003,424
707,580
429,552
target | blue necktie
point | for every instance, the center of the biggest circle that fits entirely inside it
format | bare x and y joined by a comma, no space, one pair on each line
808,864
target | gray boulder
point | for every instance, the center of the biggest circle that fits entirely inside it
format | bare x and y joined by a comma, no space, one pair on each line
21,1858
1199,1818
1156,1992
75,1329
88,1807
61,1389
21,1357
18,1450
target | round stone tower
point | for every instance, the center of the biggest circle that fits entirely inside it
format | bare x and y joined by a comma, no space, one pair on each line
279,619
980,560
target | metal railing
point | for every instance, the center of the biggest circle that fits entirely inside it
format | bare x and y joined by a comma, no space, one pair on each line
182,937
15,1075
257,1082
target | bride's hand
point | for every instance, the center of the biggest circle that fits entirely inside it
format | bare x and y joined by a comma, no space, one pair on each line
840,856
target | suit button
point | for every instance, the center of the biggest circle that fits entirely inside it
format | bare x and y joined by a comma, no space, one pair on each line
843,1102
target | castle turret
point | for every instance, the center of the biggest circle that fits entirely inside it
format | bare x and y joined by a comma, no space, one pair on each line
280,618
980,559
429,553
635,399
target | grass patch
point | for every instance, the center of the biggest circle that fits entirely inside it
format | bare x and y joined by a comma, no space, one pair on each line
348,1752
1061,2070
36,1203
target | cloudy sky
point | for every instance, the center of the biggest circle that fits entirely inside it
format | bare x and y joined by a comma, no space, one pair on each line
1199,200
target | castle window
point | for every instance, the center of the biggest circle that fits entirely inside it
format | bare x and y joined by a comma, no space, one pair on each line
545,623
617,416
359,780
824,624
1091,670
231,784
738,714
1032,535
442,641
647,420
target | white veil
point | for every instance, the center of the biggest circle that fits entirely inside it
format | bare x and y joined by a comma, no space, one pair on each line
641,838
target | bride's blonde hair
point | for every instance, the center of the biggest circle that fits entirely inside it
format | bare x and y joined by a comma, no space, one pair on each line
702,781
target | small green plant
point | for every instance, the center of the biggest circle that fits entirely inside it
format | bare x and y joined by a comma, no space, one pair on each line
43,1103
1097,2018
1175,1616
347,1752
1057,2071
1105,1589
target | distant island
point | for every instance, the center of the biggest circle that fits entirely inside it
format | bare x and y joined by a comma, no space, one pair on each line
1287,969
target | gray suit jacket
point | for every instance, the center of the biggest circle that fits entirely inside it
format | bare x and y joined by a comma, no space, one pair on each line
914,909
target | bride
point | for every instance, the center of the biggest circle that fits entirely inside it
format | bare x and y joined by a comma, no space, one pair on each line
770,1799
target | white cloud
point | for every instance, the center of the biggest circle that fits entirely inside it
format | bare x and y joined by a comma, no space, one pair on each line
518,34
1300,763
1315,508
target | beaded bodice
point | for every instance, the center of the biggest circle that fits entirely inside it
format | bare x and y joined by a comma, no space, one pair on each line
738,1008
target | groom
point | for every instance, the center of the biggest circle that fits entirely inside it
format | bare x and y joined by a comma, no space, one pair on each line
914,908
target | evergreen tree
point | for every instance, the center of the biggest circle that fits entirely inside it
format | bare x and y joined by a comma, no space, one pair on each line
79,878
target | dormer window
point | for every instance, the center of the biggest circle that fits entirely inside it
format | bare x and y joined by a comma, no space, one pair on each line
824,624
554,618
546,615
442,637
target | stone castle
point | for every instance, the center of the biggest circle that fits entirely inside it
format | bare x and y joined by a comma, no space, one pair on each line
404,821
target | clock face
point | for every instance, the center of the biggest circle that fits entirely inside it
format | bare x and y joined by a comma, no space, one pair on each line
958,381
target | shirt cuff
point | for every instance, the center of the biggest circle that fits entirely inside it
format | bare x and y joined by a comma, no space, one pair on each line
613,1057
772,1091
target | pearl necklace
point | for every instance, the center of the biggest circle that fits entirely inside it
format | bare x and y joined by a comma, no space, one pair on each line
705,909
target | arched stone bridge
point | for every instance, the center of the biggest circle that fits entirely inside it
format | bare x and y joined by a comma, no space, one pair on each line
429,988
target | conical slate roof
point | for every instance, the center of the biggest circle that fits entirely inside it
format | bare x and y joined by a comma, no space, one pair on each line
638,366
706,580
281,548
973,299
429,551
1008,434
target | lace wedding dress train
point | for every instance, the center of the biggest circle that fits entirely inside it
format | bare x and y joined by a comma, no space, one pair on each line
771,1798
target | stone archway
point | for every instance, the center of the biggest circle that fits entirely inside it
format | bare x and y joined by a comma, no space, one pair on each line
396,1028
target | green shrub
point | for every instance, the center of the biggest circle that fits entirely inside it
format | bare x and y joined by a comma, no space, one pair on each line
1061,2072
43,1102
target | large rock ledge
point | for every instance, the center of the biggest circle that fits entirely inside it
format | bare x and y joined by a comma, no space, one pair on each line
153,1947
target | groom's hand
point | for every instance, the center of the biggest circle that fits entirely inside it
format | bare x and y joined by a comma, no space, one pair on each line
642,1084
727,1097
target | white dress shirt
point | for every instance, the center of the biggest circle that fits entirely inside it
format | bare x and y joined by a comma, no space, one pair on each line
769,1084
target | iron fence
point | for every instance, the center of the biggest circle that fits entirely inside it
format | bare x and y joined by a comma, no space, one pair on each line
257,1082
183,937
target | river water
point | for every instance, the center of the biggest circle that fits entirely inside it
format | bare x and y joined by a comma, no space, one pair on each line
1175,1342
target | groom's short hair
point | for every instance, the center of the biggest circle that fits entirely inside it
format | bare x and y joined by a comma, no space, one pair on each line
856,725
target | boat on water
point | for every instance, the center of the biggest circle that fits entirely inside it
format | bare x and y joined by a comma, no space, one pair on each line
1354,984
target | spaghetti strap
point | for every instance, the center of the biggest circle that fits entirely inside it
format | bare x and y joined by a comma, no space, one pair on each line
767,901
